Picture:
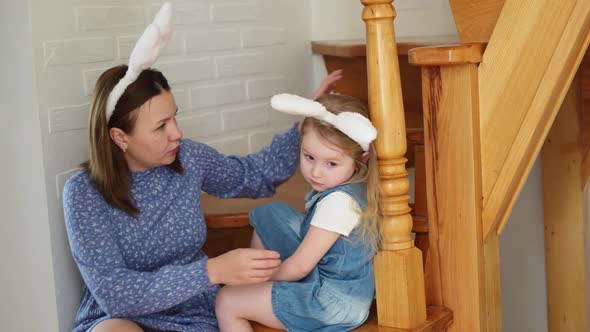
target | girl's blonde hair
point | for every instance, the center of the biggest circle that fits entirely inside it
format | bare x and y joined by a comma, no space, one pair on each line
364,172
106,165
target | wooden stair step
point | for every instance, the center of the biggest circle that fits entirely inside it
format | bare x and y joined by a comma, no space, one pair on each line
415,136
233,230
358,47
239,220
438,319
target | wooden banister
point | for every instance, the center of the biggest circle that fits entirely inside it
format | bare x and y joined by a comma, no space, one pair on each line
447,55
358,47
525,73
476,19
399,275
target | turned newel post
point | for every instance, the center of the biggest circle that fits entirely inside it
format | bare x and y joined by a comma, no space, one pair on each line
399,275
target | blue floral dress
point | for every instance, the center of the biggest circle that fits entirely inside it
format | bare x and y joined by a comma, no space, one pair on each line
151,270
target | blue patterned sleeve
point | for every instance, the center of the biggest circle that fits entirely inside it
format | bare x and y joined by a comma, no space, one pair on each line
120,291
256,175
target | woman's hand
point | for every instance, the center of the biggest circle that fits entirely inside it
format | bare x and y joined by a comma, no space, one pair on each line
328,84
243,266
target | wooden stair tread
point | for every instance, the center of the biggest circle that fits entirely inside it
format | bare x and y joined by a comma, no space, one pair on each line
237,220
415,136
357,47
438,319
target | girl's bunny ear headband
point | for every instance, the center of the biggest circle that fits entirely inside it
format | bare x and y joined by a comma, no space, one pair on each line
145,53
353,125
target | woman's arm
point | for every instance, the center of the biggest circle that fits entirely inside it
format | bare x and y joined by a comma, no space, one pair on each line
328,84
256,175
122,291
118,289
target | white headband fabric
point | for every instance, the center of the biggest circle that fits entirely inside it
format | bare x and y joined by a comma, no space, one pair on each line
145,53
354,125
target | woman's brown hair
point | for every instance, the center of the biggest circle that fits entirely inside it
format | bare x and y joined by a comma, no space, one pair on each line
106,165
366,170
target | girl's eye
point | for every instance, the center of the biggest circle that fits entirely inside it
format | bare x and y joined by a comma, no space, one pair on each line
308,157
332,164
161,126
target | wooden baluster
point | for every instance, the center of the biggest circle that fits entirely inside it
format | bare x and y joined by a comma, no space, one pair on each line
399,275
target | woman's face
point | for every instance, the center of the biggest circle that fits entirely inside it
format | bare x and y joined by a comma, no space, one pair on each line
155,138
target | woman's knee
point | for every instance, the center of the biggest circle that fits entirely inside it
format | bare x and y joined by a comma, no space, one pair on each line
117,325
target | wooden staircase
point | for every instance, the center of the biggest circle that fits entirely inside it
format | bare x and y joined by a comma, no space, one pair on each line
481,110
227,220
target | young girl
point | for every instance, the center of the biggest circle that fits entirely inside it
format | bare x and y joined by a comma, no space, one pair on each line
325,282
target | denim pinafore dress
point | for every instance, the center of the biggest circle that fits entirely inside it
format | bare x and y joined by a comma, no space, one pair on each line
337,294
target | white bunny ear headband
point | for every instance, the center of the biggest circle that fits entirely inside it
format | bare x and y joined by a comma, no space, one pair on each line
145,53
353,125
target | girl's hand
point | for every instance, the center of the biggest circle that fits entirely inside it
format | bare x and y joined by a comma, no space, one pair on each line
243,266
328,84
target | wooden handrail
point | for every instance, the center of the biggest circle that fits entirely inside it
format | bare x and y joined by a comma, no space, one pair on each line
237,220
526,70
446,55
358,47
476,19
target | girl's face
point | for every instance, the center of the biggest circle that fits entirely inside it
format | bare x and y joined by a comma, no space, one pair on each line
155,139
324,165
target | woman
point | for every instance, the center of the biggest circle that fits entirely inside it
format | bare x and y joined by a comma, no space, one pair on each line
133,214
134,219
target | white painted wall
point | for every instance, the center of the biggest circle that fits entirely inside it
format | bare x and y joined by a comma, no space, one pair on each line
26,277
341,19
586,201
522,260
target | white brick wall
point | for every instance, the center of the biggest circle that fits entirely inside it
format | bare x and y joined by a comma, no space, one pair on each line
217,94
212,40
265,87
225,59
237,11
247,117
68,118
89,50
253,37
108,17
240,64
186,71
200,126
230,145
126,44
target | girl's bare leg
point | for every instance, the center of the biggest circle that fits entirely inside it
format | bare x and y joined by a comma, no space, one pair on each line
237,305
256,243
117,325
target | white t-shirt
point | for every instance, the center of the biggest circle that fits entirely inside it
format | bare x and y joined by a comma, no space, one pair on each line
338,212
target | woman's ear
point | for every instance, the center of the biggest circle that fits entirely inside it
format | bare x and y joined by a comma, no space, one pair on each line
119,137
365,156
